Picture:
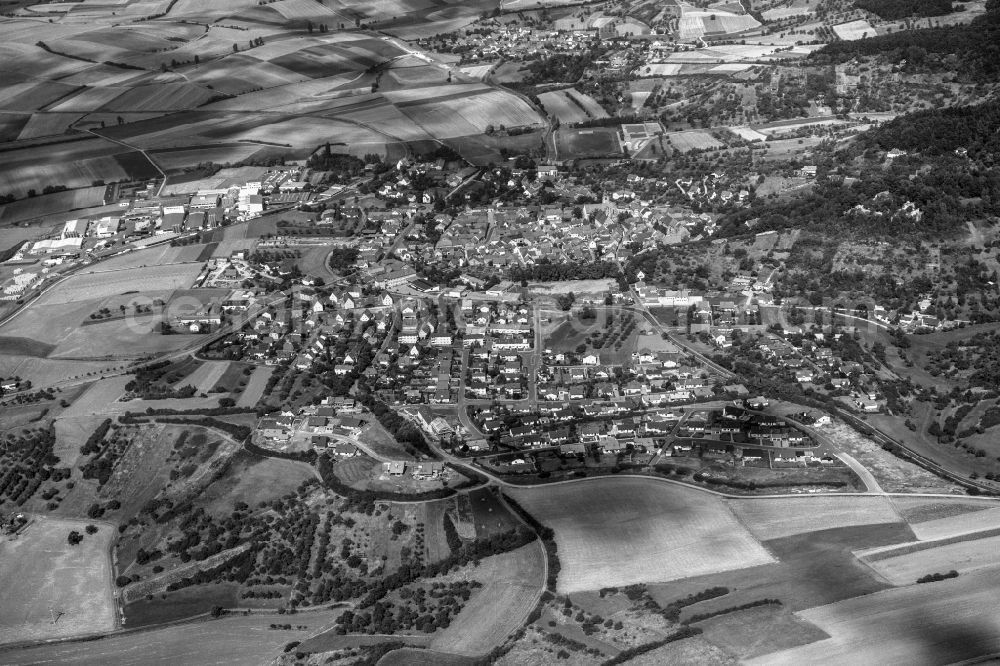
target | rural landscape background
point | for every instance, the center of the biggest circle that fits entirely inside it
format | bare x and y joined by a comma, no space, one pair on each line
507,332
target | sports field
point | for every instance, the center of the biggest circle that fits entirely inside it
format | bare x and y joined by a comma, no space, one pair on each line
616,532
693,140
596,142
42,576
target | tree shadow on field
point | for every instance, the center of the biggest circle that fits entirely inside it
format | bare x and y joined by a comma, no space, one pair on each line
939,639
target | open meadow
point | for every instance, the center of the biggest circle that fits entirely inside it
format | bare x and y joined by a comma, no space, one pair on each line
62,325
44,576
512,583
236,640
620,531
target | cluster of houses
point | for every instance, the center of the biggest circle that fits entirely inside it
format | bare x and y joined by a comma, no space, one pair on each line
330,426
810,359
610,426
650,377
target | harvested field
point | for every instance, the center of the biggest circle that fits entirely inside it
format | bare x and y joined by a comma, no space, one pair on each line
813,568
255,387
47,124
666,532
854,30
236,640
158,255
42,572
160,97
922,509
781,517
435,109
232,377
45,372
560,104
206,376
105,284
21,346
52,204
947,527
512,583
589,104
71,334
938,623
73,163
962,556
435,543
98,397
662,69
743,634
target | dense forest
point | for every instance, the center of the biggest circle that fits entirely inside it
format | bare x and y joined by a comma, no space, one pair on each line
938,131
972,51
891,10
931,191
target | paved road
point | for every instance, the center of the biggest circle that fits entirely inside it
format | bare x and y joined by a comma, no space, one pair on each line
866,477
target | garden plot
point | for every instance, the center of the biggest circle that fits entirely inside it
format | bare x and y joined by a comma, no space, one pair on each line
616,532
